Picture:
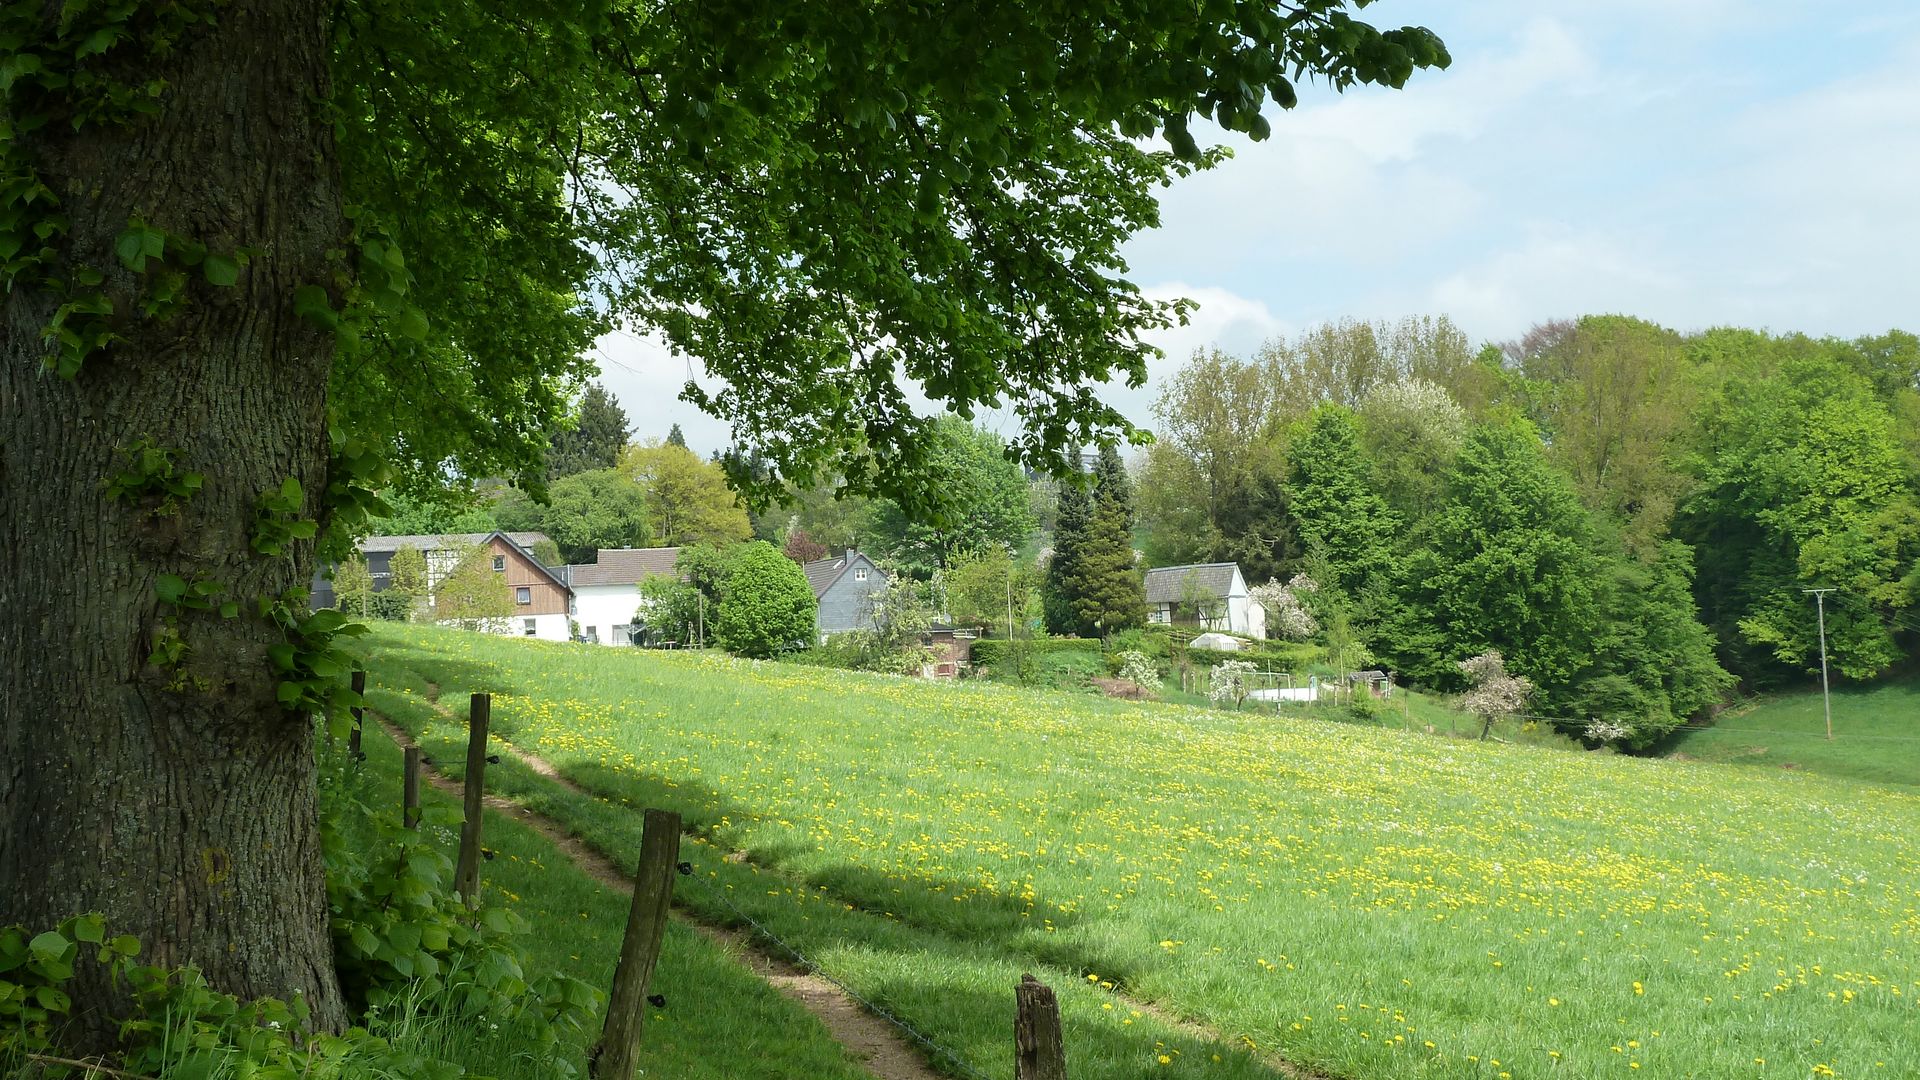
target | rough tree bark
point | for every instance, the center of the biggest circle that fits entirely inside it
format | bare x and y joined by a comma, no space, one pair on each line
178,802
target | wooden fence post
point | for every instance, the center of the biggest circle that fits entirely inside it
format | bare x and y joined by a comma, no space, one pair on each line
1039,1052
410,790
466,874
359,714
616,1055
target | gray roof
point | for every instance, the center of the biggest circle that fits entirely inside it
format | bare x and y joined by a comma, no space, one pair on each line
624,566
822,573
1167,584
438,541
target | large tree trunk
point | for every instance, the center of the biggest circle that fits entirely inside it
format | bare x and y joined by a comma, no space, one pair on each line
178,801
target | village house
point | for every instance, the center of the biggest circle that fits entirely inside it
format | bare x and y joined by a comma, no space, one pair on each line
1213,595
606,592
844,585
541,598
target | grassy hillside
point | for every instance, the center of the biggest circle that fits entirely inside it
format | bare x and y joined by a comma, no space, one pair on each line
1876,733
1366,902
721,1021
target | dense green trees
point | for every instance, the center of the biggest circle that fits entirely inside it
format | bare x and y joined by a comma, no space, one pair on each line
1804,482
585,511
1629,515
598,433
1093,582
766,605
687,500
985,501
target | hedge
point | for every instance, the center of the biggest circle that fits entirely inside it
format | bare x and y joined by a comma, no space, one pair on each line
989,652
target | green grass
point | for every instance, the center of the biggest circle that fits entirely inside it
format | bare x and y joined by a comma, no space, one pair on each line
720,1020
1876,733
1341,894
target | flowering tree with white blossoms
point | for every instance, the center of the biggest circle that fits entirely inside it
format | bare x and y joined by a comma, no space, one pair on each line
1138,668
1287,614
1232,681
1494,694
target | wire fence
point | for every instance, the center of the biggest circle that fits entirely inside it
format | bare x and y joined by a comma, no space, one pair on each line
950,1055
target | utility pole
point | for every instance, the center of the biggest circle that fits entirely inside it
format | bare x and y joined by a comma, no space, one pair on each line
1826,696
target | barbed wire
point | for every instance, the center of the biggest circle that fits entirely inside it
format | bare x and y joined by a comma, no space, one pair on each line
800,958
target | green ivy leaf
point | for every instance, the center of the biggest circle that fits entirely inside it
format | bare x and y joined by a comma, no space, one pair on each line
171,588
221,270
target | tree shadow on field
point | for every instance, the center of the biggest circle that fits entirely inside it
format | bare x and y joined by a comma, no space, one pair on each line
450,673
964,1003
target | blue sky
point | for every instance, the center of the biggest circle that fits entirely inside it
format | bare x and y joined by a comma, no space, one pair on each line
1696,163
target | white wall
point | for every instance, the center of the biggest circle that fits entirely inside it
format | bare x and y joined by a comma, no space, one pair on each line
545,627
1244,616
603,607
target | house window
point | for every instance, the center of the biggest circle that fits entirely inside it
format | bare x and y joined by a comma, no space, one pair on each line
860,574
523,595
530,627
499,564
622,635
593,635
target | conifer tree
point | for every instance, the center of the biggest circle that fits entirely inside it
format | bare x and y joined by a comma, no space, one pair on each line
1071,522
1094,586
596,439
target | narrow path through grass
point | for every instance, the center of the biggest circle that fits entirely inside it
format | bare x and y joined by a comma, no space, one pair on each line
879,1047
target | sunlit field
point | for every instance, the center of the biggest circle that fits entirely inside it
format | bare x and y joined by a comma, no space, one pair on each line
1876,733
1357,900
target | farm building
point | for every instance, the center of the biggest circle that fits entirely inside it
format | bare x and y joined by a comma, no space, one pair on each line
541,598
606,592
844,586
1214,595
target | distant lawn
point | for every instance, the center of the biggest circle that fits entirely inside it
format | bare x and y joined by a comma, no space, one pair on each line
1876,733
1367,902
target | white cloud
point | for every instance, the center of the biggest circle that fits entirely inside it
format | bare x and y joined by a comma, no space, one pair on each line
644,375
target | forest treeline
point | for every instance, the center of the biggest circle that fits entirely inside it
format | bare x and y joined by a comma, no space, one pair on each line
1631,515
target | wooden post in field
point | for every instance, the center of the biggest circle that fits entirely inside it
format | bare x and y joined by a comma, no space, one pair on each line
1039,1052
410,790
359,714
466,873
617,1053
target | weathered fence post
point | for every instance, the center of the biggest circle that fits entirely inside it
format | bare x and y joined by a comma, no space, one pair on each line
466,874
616,1055
410,789
359,713
1039,1052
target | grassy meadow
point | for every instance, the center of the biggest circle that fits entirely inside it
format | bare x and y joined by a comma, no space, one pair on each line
1358,900
1876,733
720,1023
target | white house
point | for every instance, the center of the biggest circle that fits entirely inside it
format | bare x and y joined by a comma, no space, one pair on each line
606,593
1216,593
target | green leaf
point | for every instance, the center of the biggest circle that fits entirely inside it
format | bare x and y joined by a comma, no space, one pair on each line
171,588
221,270
412,323
125,945
48,946
90,928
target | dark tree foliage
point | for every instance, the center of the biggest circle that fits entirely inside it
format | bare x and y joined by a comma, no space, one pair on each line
1095,586
1073,521
675,438
1336,504
599,433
